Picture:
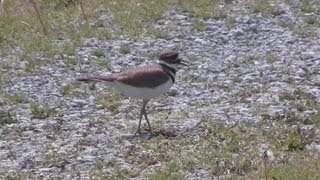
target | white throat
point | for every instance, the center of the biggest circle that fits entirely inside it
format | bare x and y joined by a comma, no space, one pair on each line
174,66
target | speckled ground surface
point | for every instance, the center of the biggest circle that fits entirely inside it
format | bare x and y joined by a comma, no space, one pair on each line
239,71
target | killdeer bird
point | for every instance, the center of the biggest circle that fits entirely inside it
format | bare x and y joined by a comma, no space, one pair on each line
145,82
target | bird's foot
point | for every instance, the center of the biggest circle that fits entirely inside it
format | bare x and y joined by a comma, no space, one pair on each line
137,132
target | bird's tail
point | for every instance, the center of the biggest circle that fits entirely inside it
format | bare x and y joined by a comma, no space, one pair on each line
97,78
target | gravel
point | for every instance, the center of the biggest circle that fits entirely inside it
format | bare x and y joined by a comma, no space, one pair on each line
235,74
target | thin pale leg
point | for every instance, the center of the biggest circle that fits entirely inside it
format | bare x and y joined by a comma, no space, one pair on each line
145,116
140,118
144,113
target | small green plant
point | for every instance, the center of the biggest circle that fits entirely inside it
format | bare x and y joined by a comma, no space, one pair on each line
283,23
249,59
40,111
54,157
99,53
305,32
112,163
110,100
3,80
173,167
38,47
17,98
104,63
70,90
7,117
198,25
286,96
314,119
264,7
66,90
31,65
307,7
203,9
71,62
68,49
312,20
246,165
165,174
237,79
229,22
160,34
271,57
125,49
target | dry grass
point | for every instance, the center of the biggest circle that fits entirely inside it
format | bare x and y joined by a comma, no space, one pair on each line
33,25
266,8
270,149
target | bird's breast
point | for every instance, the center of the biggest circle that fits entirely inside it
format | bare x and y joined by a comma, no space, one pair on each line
144,92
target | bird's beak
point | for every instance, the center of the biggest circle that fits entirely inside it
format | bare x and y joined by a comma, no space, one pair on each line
183,62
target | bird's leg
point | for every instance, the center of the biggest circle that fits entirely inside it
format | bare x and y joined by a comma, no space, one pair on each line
140,118
143,112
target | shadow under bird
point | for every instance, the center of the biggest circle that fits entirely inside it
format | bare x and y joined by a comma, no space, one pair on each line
145,82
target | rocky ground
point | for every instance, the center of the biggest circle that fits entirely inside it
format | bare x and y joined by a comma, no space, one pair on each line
251,68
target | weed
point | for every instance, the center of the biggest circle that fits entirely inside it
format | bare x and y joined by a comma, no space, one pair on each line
263,7
71,90
17,98
160,34
54,158
7,117
313,119
104,63
202,9
112,163
198,25
68,49
40,111
165,174
305,32
30,66
65,90
3,80
271,57
71,62
99,53
249,59
312,20
237,79
229,22
283,23
125,49
307,7
110,100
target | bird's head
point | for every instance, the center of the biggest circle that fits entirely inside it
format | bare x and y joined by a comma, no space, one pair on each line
172,58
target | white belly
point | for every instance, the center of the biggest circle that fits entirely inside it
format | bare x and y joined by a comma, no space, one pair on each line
143,92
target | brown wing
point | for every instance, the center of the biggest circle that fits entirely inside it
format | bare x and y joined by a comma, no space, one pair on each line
149,76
